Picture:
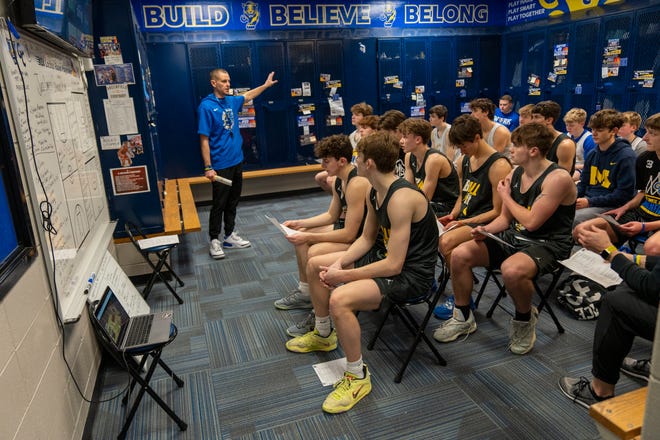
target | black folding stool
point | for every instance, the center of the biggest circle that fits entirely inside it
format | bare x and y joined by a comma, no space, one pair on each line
417,329
162,252
494,274
127,359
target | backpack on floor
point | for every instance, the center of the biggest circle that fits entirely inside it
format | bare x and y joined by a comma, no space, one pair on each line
581,296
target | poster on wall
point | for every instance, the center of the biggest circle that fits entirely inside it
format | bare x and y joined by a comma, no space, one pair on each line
129,180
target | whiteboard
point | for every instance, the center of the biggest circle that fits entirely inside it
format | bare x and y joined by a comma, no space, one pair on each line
49,107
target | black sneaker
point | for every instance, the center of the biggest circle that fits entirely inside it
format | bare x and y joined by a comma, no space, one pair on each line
579,391
637,368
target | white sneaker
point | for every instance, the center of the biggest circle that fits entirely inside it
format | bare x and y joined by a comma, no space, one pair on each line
454,327
522,335
215,249
235,241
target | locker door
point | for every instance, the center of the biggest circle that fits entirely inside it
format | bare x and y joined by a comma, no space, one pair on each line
514,81
534,63
362,83
301,62
442,89
583,55
557,90
490,49
415,75
645,100
467,48
612,89
331,62
273,123
390,76
202,58
237,60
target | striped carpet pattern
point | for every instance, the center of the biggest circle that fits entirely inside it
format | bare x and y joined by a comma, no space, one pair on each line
241,383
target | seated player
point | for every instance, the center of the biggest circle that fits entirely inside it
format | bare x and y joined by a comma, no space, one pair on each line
505,115
525,114
641,215
440,134
631,123
562,150
575,119
389,121
481,169
496,135
335,229
361,277
428,169
358,112
608,177
538,204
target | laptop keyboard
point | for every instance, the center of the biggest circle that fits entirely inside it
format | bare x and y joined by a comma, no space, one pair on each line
140,330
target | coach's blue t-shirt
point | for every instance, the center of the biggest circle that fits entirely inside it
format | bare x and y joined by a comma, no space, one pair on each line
218,119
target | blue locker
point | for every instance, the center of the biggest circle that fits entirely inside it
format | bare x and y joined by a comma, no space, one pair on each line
416,62
390,76
274,107
612,89
301,63
584,58
361,75
514,80
557,90
442,87
330,61
645,100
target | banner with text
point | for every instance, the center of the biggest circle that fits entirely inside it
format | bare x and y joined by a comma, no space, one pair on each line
186,16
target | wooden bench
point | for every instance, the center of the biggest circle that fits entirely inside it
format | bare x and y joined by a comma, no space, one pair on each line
620,417
180,212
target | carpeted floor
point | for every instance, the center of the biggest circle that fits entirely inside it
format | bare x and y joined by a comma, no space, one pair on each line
241,383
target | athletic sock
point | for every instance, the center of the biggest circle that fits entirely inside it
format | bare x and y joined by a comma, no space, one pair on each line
322,325
465,310
524,317
304,288
356,368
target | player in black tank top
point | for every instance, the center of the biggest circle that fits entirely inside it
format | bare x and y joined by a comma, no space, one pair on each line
552,154
422,246
534,228
477,188
446,189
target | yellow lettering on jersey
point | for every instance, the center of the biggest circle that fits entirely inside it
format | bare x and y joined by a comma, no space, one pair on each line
386,235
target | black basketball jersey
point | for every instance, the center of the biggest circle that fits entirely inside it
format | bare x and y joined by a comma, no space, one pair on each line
446,190
552,153
477,189
423,244
558,227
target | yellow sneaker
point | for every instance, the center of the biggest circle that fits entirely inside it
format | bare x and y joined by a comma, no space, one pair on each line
312,341
348,391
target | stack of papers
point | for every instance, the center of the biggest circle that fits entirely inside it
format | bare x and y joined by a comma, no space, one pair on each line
281,227
591,265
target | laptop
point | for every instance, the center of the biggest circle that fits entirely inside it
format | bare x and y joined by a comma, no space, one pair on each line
129,332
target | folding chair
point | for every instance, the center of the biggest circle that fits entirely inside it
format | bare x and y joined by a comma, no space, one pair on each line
494,274
161,251
136,368
417,329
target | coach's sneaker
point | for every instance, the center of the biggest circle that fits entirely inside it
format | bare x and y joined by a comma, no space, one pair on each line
294,300
639,369
215,249
348,391
522,334
312,341
235,241
300,328
457,326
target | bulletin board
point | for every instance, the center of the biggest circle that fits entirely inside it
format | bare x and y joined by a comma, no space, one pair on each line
49,107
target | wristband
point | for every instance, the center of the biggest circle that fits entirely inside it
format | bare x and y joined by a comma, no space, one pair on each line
643,227
208,168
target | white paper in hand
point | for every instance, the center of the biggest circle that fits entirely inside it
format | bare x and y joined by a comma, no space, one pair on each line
281,227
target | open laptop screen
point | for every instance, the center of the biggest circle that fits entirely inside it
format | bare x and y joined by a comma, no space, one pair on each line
112,316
